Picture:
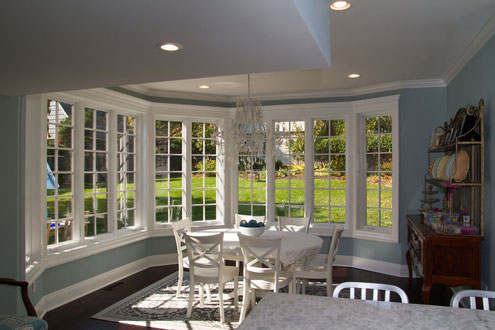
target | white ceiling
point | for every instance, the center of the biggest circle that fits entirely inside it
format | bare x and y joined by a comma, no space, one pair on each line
55,46
384,40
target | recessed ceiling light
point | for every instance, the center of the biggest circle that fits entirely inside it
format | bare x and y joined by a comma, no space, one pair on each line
354,75
170,47
204,86
340,5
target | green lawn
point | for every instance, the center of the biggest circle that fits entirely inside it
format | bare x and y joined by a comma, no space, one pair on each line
322,194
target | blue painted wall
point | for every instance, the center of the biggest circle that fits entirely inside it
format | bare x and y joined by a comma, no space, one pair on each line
474,82
11,251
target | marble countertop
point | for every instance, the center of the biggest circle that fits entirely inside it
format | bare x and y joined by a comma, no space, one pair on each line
290,311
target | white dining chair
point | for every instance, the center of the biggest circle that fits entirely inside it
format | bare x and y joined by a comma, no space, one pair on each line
294,224
262,269
207,266
179,228
319,266
374,287
472,295
240,217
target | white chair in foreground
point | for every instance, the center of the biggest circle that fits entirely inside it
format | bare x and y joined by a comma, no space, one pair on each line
206,265
262,269
375,287
293,224
179,228
472,295
240,217
319,266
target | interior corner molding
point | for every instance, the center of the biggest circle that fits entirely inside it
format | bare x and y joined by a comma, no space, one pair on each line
486,33
78,290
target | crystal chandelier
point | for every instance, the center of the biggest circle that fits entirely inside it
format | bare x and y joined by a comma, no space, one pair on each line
248,136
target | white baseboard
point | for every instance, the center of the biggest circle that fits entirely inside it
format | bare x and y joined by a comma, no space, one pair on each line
73,292
371,265
66,295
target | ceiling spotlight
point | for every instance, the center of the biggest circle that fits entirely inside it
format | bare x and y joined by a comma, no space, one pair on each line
170,47
204,86
340,5
354,75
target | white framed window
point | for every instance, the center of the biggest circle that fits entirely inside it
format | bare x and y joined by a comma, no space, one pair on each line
126,171
59,172
203,172
87,176
251,184
169,172
330,171
377,179
289,170
95,172
188,171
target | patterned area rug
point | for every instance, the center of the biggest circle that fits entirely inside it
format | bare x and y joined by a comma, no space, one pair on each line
156,306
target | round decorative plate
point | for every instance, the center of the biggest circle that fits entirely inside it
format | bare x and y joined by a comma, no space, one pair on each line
461,166
434,169
442,166
431,167
449,171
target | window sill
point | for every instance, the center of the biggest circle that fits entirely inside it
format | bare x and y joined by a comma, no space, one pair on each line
376,235
90,246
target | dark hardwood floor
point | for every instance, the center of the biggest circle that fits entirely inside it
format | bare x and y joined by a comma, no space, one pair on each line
77,314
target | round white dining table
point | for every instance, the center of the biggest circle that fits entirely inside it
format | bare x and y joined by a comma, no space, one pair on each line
294,246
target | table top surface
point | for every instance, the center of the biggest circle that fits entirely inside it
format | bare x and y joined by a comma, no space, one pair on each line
294,246
290,311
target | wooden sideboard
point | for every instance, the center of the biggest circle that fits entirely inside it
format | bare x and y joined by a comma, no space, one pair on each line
451,260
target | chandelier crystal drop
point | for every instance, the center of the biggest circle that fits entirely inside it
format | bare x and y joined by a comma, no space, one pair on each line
248,136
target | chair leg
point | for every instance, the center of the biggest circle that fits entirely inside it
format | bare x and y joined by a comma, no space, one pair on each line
245,300
208,292
191,296
304,282
236,292
220,297
179,283
329,286
253,298
201,295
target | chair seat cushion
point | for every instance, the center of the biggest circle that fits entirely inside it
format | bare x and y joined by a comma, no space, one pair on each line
22,322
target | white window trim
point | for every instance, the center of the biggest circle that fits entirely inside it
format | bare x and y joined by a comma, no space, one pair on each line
41,256
380,106
351,111
187,171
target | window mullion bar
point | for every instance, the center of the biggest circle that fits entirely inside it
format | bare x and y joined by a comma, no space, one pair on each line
112,170
186,169
78,189
309,169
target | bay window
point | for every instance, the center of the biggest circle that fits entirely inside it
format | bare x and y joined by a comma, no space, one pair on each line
90,172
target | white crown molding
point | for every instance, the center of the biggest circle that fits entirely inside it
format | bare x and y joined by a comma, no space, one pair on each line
426,83
111,99
73,292
471,50
429,83
177,95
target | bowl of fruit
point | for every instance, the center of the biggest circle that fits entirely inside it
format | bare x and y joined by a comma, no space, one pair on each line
251,227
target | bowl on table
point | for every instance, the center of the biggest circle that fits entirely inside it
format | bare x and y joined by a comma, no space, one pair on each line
252,228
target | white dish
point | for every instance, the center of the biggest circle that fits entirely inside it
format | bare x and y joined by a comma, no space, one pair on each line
252,231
